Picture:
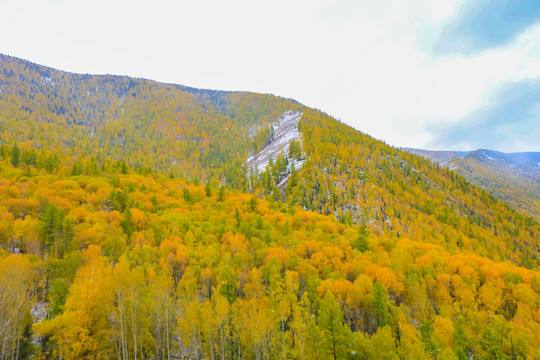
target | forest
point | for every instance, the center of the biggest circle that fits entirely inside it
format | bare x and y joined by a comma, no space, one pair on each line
133,265
132,228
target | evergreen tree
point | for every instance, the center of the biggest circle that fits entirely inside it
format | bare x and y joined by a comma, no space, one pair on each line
361,244
48,227
123,168
336,336
426,330
237,217
495,343
253,203
463,345
68,234
221,193
127,223
15,156
208,189
380,302
187,195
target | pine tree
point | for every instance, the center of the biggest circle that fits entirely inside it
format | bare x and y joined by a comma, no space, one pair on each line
187,195
463,345
221,193
426,330
494,341
380,304
208,189
48,226
253,203
127,223
68,234
15,156
361,244
336,339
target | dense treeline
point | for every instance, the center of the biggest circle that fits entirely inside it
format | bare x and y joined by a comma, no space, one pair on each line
133,265
516,187
203,134
361,180
191,133
106,253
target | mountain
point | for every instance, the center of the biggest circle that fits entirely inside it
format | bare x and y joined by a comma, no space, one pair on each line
148,220
206,135
511,177
188,132
440,157
128,265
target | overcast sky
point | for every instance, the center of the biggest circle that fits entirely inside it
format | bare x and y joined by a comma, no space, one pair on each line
436,74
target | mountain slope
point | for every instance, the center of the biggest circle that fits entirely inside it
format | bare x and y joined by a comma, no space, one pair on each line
124,265
513,178
189,132
87,121
106,253
440,157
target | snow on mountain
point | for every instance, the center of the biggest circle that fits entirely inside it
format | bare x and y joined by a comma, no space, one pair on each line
285,131
512,177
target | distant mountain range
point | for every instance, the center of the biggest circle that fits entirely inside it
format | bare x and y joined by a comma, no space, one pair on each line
511,177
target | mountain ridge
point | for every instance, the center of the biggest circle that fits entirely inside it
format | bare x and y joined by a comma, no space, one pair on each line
133,226
209,137
511,177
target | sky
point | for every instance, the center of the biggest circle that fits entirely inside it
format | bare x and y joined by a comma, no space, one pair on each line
441,75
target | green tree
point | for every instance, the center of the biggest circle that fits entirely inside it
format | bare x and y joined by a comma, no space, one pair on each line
127,223
463,345
336,338
382,345
123,168
208,189
495,343
67,237
380,303
253,203
15,156
50,220
361,242
58,294
426,330
221,193
187,195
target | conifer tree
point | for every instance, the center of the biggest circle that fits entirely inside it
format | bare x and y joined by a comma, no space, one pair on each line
336,336
15,156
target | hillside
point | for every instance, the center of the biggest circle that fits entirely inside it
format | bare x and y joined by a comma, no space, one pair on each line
127,265
147,220
191,133
513,178
440,157
209,136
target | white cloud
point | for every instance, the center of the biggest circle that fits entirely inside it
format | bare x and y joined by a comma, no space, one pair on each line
361,61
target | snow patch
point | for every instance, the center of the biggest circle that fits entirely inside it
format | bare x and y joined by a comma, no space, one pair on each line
489,157
283,182
48,80
285,131
39,311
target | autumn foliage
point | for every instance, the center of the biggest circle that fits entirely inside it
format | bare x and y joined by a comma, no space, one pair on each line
130,266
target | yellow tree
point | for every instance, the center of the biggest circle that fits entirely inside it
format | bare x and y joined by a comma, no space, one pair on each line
15,297
82,331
